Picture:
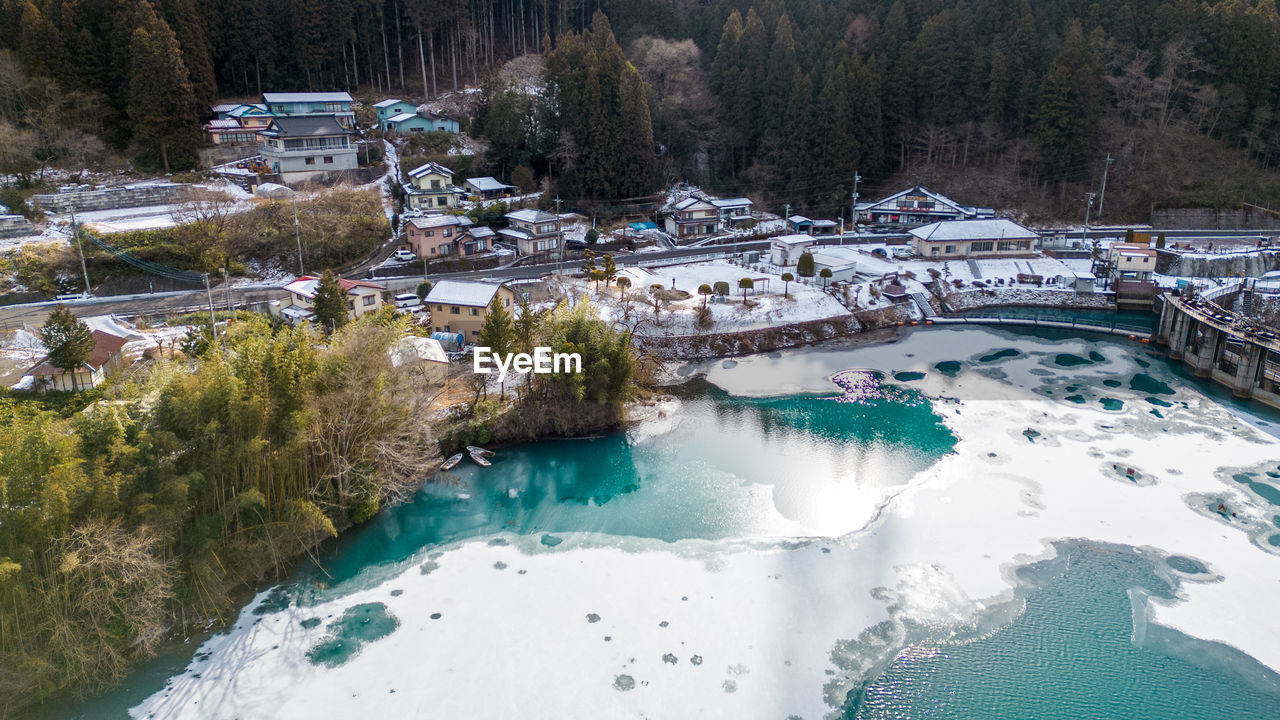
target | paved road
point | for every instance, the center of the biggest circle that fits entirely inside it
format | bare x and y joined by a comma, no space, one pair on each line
169,303
12,316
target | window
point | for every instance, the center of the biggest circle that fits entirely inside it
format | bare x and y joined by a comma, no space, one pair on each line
950,249
985,246
351,304
429,233
328,159
435,184
475,333
442,201
447,233
333,107
370,299
454,310
309,161
440,308
475,312
506,302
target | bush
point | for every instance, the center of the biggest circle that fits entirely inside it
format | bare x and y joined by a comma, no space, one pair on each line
721,288
704,318
804,265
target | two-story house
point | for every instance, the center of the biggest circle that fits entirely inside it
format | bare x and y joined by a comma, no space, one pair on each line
295,104
390,108
533,231
299,149
461,306
691,217
299,305
733,210
437,236
431,187
237,123
919,206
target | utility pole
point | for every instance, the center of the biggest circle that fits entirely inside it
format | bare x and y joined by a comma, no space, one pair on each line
213,323
75,232
297,234
786,215
1102,198
560,242
226,283
1084,234
853,207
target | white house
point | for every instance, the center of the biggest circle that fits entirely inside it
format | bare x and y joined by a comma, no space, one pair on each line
532,231
304,148
362,297
105,359
785,250
691,217
973,238
431,187
732,210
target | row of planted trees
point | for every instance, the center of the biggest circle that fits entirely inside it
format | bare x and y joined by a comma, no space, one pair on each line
139,508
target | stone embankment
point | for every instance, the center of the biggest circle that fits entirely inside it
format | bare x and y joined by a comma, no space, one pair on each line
1249,263
126,196
1027,297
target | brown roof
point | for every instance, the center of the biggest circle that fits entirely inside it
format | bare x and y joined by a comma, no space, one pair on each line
105,345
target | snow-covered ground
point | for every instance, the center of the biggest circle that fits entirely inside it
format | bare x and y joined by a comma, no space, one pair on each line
769,306
775,625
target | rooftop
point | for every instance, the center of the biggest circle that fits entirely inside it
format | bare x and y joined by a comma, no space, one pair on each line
306,285
435,221
105,345
388,102
487,184
463,292
794,239
996,229
732,202
429,169
531,215
402,117
308,126
297,97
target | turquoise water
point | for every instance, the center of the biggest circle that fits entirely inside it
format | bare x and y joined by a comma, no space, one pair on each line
716,475
1071,656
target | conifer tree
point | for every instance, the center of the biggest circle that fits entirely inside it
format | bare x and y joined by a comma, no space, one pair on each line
330,302
67,339
1067,119
161,103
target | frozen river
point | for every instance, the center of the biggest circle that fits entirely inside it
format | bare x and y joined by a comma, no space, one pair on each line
994,524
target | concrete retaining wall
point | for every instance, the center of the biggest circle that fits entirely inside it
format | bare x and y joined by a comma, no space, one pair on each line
1245,218
111,198
1252,263
14,226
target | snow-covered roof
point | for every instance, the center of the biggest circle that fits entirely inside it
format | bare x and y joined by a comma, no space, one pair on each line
247,108
225,107
487,184
997,229
435,221
388,102
732,202
463,292
402,117
224,124
692,203
296,97
514,234
794,239
917,190
798,219
430,168
483,231
306,285
531,215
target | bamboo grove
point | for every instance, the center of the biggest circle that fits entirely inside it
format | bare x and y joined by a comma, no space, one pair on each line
145,511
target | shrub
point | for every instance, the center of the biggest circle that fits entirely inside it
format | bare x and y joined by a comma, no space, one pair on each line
804,265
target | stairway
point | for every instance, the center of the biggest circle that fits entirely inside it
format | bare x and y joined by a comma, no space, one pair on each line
922,302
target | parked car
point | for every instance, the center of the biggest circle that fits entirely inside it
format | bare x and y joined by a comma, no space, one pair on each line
403,256
575,244
902,253
408,301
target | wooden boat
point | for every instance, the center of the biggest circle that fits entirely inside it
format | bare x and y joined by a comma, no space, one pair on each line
451,462
480,451
480,460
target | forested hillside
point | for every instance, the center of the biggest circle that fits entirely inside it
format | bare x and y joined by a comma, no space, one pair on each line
1000,99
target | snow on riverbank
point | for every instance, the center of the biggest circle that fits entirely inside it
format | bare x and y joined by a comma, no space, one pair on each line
768,627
